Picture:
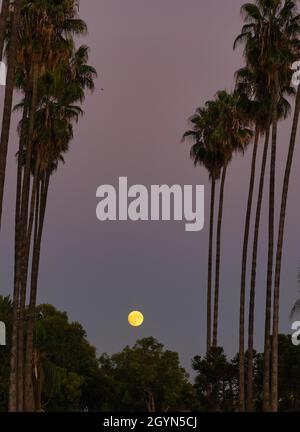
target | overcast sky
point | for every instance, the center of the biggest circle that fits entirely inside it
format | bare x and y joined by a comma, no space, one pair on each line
157,61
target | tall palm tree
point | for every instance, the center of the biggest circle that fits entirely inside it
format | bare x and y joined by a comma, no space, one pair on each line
246,89
53,133
45,33
36,37
279,253
232,133
255,102
283,111
203,154
218,131
9,88
266,34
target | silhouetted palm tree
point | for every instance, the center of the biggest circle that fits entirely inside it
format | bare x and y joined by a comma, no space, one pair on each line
279,252
219,130
53,133
268,35
45,42
233,135
203,154
256,102
245,86
9,89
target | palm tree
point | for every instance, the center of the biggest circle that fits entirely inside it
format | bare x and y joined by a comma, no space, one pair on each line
255,102
52,136
267,30
232,132
36,38
279,253
218,130
44,42
245,86
203,154
10,82
283,111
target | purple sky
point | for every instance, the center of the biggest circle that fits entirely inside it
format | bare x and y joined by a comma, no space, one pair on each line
157,61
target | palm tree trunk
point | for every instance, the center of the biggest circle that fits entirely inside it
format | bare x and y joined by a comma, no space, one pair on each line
39,225
243,278
23,137
10,82
218,259
3,25
267,344
29,404
25,239
18,226
15,320
279,253
21,225
26,175
24,264
250,406
210,254
13,376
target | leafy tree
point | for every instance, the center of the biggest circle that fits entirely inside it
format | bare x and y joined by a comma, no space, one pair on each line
216,381
147,378
289,375
67,376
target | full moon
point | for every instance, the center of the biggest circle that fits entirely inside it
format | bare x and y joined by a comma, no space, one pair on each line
135,318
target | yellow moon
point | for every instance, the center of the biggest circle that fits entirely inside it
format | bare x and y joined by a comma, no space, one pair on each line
135,318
